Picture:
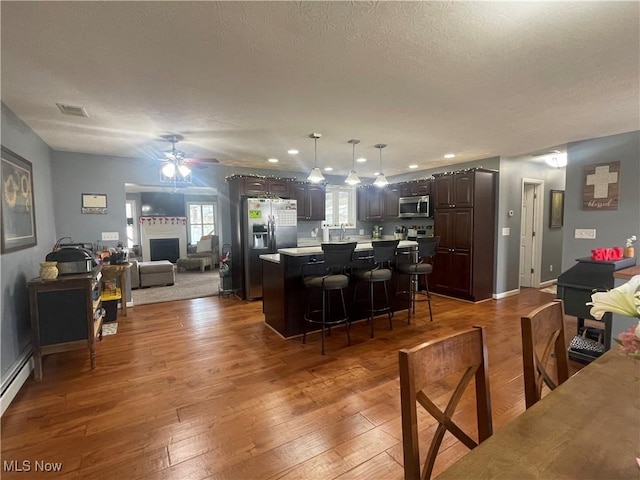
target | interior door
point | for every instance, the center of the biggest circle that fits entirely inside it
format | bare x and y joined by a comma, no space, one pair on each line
527,235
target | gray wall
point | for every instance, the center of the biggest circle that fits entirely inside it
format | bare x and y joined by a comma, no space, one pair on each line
613,227
19,267
512,171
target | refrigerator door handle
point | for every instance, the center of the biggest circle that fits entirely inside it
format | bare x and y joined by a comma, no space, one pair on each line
271,233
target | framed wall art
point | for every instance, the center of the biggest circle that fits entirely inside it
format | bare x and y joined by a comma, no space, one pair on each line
601,187
94,203
18,209
556,214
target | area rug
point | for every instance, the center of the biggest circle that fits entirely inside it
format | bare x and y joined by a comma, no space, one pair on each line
189,284
552,289
109,328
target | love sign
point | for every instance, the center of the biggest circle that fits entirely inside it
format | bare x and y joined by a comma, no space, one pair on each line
606,254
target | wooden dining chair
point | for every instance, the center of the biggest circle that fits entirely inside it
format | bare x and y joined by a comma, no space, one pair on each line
542,334
464,352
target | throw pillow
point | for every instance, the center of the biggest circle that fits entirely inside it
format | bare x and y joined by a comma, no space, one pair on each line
203,246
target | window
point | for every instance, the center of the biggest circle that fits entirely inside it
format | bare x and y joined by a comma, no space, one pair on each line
340,206
132,230
202,220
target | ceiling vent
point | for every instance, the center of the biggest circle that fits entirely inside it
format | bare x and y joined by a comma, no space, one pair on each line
71,110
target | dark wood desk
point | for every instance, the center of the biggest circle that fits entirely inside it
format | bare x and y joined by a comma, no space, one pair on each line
588,428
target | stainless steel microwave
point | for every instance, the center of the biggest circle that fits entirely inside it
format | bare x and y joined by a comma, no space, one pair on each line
411,207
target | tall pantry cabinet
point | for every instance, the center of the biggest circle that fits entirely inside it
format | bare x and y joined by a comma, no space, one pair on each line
465,220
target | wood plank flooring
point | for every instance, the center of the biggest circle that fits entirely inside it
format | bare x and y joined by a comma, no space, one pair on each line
201,388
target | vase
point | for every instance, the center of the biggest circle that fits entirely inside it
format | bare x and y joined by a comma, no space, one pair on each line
48,270
629,252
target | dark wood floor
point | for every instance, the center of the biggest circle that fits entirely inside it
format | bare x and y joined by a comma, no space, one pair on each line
203,389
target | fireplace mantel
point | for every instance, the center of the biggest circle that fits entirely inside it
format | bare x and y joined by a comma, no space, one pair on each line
160,228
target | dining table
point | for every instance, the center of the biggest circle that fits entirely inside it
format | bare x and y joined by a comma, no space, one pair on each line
587,428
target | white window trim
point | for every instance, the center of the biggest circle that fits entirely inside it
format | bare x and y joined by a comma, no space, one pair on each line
215,217
353,207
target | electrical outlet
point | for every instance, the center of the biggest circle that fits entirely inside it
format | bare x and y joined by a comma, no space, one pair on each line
551,268
110,236
361,231
506,232
588,233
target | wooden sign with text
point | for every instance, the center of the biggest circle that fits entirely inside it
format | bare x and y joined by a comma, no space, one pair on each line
601,187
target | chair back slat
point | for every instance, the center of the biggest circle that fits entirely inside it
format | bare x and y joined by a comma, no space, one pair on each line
384,250
427,246
428,363
543,334
338,256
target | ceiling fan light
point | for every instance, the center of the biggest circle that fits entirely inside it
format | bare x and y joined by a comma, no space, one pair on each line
353,178
315,176
169,170
557,161
381,181
184,170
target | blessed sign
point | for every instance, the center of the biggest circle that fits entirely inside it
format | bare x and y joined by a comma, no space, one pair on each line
601,188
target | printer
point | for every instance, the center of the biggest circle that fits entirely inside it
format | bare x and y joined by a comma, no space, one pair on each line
72,259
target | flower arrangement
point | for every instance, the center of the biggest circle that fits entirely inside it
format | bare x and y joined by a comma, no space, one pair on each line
630,241
623,300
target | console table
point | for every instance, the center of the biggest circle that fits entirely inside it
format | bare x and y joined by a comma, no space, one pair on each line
65,315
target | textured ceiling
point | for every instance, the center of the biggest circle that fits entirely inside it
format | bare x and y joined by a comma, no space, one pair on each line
245,81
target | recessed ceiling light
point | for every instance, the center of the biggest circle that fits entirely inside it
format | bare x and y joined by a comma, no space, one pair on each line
450,155
293,151
273,160
361,160
413,167
328,169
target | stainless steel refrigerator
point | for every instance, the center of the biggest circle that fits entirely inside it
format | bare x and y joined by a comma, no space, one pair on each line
267,225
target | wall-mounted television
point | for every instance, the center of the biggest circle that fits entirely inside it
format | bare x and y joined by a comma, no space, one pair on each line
161,204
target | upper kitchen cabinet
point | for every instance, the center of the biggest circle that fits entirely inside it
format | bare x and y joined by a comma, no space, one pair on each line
416,188
267,186
378,203
454,190
311,200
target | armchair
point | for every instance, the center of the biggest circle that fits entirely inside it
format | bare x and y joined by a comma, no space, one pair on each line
208,247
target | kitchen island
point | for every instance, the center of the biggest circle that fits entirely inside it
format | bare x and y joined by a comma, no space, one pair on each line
285,298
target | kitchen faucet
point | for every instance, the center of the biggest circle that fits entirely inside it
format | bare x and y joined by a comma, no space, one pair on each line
343,231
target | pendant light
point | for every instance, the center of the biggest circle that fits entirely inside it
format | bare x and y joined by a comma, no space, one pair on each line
352,178
316,175
381,180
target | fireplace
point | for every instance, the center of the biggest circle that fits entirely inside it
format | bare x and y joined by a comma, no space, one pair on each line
164,249
162,228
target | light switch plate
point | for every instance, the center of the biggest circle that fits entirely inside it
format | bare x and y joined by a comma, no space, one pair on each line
588,233
110,236
506,231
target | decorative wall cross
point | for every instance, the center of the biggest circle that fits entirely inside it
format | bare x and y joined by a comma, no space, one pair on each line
601,187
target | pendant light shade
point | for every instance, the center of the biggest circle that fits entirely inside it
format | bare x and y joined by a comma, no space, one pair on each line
169,170
352,178
316,175
381,180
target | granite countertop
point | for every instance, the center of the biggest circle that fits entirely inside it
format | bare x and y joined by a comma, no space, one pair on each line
317,250
271,257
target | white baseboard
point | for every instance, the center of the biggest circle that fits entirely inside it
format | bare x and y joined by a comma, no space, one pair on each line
14,387
548,283
498,296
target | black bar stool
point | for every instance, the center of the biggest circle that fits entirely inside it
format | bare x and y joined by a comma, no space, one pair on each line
334,275
426,250
383,252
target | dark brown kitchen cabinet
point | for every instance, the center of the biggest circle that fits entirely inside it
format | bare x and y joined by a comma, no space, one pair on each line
454,190
311,200
465,221
266,186
415,189
378,203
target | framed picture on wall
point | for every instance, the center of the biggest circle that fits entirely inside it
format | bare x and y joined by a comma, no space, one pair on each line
94,203
556,215
18,209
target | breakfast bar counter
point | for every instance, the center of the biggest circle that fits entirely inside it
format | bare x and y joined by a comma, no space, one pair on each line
284,297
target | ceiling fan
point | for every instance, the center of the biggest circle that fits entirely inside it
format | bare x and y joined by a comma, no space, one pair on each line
176,164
